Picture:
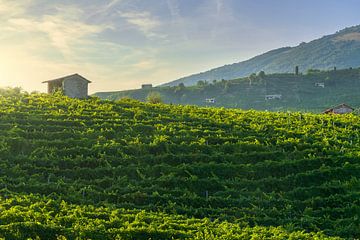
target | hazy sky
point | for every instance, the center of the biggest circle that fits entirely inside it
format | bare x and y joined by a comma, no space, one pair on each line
120,44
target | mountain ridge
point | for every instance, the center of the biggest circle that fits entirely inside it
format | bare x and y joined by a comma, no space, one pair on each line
341,49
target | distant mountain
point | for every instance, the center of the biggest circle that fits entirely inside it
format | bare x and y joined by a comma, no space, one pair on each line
341,49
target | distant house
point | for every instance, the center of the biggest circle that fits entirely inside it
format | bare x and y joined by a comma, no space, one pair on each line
210,100
74,86
146,86
320,84
274,96
340,109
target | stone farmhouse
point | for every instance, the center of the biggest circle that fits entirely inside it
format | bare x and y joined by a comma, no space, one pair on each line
146,86
340,109
74,86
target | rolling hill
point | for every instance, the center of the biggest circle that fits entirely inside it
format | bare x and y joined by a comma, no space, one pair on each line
341,50
94,169
313,91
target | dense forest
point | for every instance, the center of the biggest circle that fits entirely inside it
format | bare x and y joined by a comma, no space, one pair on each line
313,91
94,169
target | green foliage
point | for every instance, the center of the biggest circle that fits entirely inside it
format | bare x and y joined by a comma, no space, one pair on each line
12,92
93,169
200,83
261,74
34,217
313,71
59,92
154,97
181,85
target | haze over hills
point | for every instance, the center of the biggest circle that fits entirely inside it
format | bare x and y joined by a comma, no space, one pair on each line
341,49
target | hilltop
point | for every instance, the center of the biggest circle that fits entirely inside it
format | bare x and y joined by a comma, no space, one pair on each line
341,49
93,169
313,91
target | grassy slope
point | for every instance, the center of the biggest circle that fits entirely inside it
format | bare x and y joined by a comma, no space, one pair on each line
298,92
195,165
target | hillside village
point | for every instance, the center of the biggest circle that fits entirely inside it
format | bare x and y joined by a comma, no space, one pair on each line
312,91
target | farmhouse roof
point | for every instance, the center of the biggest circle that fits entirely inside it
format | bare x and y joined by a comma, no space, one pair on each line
66,77
338,106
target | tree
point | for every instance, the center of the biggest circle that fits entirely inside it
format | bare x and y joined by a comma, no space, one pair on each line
200,83
12,92
226,87
181,85
154,97
252,78
261,74
180,88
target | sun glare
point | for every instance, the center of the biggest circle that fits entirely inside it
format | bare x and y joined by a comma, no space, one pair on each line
4,81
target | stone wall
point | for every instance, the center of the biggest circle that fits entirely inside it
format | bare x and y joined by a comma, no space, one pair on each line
76,87
342,110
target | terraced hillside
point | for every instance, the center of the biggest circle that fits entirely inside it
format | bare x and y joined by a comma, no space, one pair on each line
298,92
92,169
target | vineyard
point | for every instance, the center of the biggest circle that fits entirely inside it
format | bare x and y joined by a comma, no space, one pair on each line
94,169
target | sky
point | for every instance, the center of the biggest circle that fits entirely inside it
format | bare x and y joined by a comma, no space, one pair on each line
121,44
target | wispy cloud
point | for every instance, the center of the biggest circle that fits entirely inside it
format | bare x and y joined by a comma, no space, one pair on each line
111,4
223,15
104,12
143,21
178,22
64,29
219,5
12,8
54,43
174,9
59,39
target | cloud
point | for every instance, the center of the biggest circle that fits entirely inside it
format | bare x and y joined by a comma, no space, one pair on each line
178,22
174,9
206,21
111,4
12,8
38,47
45,45
118,44
143,21
104,12
64,29
219,5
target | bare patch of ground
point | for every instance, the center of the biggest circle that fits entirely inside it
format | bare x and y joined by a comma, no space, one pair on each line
349,37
